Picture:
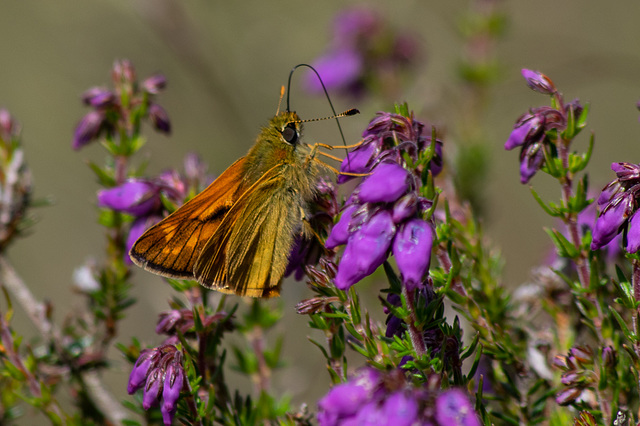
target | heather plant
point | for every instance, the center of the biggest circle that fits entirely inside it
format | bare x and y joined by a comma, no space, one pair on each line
397,224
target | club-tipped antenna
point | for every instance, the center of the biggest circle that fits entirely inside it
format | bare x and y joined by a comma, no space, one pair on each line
335,115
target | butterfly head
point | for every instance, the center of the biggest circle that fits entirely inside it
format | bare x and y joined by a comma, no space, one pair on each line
288,127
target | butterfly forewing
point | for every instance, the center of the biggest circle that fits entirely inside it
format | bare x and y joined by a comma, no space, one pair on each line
172,246
247,255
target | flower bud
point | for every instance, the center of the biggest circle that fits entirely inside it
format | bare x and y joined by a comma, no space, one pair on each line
388,182
405,207
135,197
340,231
412,251
154,84
159,118
98,97
88,129
366,250
539,82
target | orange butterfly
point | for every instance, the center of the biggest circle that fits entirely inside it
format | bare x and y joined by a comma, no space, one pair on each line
236,235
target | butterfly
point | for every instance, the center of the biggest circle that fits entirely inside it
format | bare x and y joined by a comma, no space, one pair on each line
236,235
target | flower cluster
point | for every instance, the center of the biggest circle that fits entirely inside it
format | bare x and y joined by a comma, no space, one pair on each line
385,212
373,397
181,321
142,198
531,131
15,179
578,373
365,53
160,372
618,204
122,107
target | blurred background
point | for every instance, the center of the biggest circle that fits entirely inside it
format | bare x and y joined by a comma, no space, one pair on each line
225,63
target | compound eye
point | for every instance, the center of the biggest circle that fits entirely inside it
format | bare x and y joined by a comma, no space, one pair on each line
290,134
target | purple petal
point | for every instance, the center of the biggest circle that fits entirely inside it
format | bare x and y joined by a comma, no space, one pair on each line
626,171
152,389
388,182
88,129
405,207
531,160
342,401
154,84
521,131
400,410
371,414
454,408
539,82
609,223
98,97
340,231
135,197
366,250
633,234
358,160
608,192
412,251
339,69
138,376
159,118
174,377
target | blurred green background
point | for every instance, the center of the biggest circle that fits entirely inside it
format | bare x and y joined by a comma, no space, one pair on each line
225,63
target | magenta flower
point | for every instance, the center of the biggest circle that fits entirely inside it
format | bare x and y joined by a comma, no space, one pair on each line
386,200
160,372
113,116
366,249
412,251
88,129
530,131
134,197
454,408
366,54
618,204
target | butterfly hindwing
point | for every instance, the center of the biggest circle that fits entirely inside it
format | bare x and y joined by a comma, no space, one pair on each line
172,246
247,254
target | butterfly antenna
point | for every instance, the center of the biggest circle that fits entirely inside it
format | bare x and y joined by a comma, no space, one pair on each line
280,100
335,115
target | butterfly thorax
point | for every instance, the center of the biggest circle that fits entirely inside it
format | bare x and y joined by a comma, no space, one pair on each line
279,145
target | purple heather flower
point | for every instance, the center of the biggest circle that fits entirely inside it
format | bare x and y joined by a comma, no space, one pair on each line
412,251
388,182
159,118
340,232
154,84
365,53
138,376
539,82
88,129
359,160
340,70
400,410
385,201
152,389
173,382
530,130
612,218
98,97
405,208
135,197
366,249
453,408
161,372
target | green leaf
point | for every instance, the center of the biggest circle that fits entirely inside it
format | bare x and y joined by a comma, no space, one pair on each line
564,246
551,210
623,325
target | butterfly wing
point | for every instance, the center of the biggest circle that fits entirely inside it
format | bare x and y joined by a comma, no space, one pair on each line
248,253
172,246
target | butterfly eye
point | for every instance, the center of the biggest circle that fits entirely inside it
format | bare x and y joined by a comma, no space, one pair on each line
290,133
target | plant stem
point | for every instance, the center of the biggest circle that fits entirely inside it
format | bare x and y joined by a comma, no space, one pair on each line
35,310
416,335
